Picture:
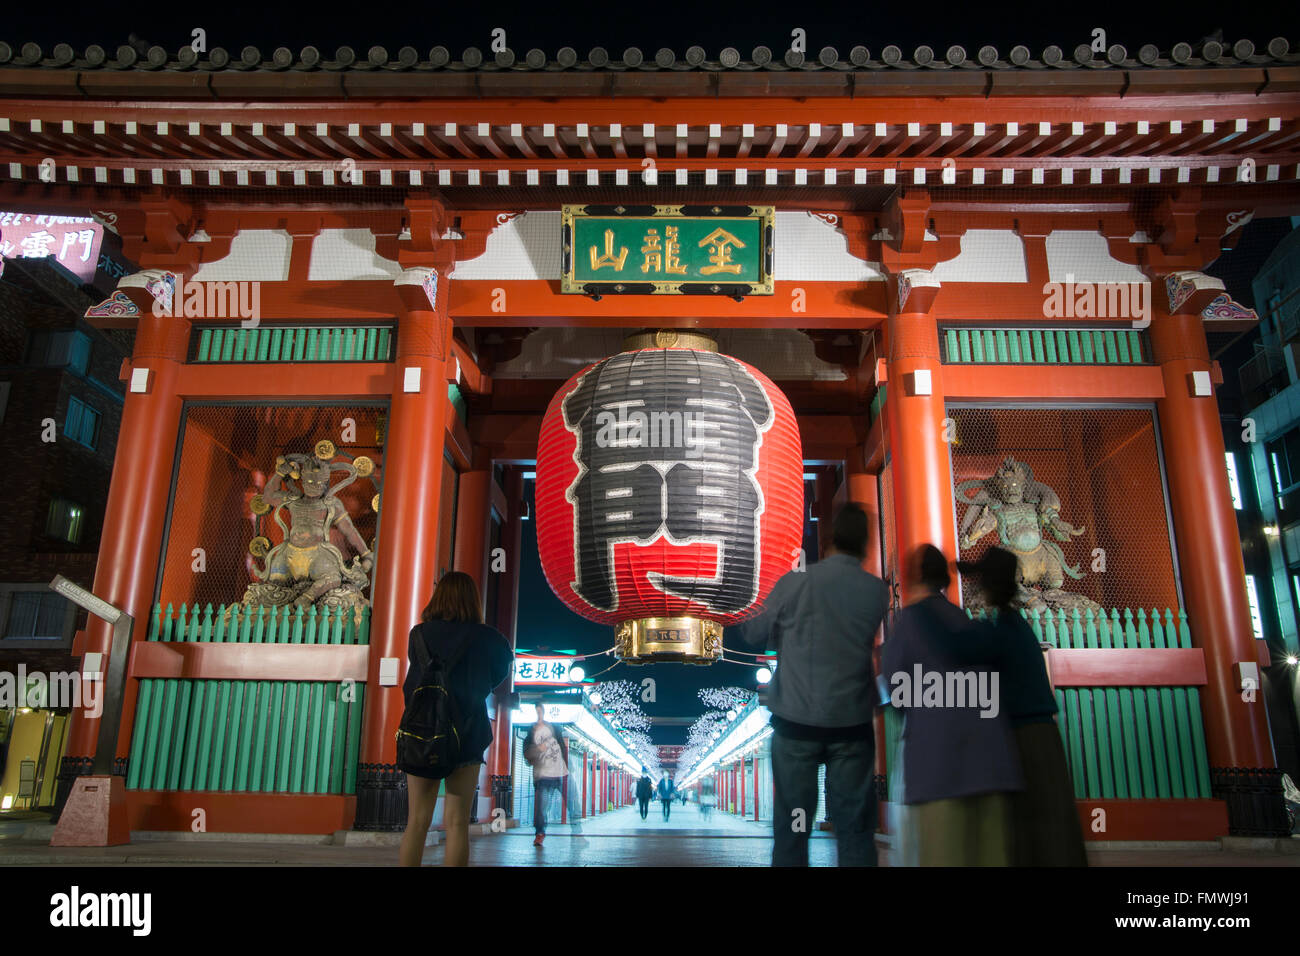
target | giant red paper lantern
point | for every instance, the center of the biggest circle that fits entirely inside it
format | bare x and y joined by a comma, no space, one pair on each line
669,497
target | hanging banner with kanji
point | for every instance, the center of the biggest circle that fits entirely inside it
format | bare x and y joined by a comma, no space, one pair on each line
630,250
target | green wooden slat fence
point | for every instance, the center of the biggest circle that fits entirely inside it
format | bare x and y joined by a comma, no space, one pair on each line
328,343
1124,742
1044,347
249,735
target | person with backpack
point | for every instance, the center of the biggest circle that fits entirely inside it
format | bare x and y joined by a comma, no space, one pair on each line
547,752
455,662
645,789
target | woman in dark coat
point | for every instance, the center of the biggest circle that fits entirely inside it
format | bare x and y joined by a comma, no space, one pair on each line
959,757
1045,827
453,620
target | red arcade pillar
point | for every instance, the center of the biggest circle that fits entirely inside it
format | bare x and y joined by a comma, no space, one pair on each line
1209,547
755,788
473,511
131,542
742,788
406,559
914,408
507,599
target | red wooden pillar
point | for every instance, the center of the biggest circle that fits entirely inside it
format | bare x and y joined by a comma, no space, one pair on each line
584,784
131,542
742,787
406,559
755,788
922,474
499,753
1209,547
473,512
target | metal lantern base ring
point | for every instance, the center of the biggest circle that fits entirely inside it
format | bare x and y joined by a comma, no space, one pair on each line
688,640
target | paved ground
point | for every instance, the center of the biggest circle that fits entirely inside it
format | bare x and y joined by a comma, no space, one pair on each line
619,838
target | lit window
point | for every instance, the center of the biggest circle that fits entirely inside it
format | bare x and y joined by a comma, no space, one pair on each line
65,520
1232,480
1256,621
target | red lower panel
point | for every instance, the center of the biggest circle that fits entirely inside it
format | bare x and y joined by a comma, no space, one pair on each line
240,812
1153,819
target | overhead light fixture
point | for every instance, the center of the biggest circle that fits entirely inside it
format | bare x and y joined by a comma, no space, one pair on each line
577,674
764,675
1270,530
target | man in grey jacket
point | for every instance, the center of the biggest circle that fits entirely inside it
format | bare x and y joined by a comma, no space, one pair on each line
822,623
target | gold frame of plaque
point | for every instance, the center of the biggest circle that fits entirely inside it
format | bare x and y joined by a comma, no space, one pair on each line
689,640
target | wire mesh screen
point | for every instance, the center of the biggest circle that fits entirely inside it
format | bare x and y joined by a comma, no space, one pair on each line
1076,493
223,528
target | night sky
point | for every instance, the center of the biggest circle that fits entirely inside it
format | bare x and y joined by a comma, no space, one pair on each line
616,26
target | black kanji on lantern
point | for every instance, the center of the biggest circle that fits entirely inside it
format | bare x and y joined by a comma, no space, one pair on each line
668,443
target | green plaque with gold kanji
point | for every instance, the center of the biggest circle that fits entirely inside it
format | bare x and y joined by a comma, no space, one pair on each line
632,249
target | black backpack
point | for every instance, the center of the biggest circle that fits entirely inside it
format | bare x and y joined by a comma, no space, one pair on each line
429,736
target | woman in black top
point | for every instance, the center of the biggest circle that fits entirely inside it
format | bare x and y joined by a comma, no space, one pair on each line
452,619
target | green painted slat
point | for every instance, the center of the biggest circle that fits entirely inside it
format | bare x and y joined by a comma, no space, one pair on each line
951,350
1187,755
141,727
1086,344
1004,350
149,764
227,344
977,346
1049,347
1039,352
290,713
1088,725
1026,347
184,716
276,347
270,771
355,710
1121,344
1013,347
263,343
382,351
1076,351
311,355
1110,636
205,345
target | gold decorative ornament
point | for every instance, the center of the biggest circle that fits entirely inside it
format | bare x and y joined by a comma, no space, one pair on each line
364,465
257,504
668,339
374,504
688,640
259,546
325,449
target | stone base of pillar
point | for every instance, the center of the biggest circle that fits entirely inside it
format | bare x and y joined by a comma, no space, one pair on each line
381,798
70,768
1256,807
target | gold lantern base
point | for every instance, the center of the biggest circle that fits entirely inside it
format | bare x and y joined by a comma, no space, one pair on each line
687,640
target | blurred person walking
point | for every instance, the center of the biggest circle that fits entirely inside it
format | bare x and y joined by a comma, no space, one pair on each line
1045,820
455,660
547,752
666,792
958,753
822,624
645,789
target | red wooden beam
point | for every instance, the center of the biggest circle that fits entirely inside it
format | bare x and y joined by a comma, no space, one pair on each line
224,812
1127,667
320,662
338,380
1048,382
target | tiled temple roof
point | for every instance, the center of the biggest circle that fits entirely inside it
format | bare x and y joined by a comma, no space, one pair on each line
1208,53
